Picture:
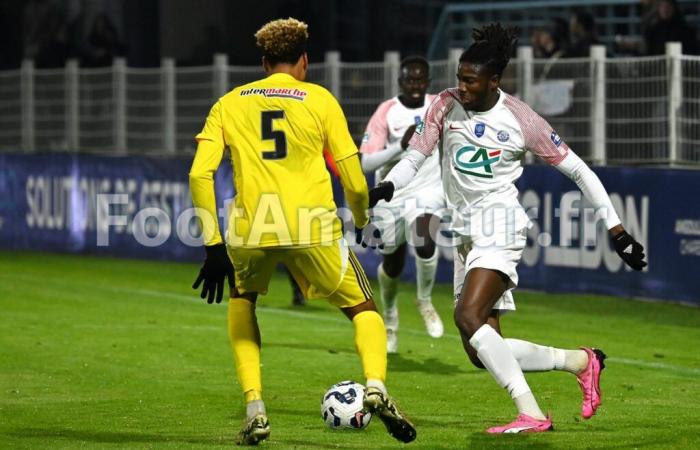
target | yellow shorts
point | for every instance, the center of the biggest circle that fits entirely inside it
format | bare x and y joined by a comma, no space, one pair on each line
330,271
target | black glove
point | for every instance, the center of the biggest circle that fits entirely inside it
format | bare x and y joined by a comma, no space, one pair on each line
216,268
369,236
631,251
382,191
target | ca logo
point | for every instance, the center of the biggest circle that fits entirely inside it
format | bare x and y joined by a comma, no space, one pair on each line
477,162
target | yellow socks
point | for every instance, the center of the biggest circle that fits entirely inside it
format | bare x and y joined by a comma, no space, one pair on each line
370,341
244,335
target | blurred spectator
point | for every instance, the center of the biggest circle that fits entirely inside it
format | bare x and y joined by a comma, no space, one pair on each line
99,46
560,32
44,33
634,45
550,42
583,35
669,26
543,45
647,14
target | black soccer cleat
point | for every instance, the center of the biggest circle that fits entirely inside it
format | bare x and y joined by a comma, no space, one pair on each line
254,431
384,407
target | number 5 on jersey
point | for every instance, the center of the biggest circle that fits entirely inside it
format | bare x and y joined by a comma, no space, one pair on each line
278,136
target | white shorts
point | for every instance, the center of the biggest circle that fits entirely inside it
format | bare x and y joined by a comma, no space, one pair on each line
395,218
502,256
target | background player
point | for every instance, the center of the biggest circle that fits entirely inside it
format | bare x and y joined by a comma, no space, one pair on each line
385,140
276,129
482,133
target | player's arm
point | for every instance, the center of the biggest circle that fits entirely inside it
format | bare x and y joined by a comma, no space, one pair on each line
340,144
210,151
631,251
357,196
344,152
420,146
541,139
355,188
375,149
330,163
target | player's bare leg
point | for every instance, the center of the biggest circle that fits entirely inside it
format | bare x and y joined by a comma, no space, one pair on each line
475,319
370,340
244,335
388,274
426,267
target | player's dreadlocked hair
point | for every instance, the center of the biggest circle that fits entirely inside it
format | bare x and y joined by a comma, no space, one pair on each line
492,48
282,40
415,59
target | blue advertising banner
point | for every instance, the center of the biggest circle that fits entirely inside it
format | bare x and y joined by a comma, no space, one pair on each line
659,207
141,207
102,205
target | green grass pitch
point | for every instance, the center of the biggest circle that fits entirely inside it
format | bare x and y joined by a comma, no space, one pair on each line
108,353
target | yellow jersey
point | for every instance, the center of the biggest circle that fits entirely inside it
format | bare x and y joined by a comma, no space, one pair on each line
276,129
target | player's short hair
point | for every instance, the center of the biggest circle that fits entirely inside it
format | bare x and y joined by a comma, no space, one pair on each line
415,59
492,48
282,40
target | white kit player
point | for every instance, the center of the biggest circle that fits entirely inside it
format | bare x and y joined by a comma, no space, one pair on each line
482,134
407,217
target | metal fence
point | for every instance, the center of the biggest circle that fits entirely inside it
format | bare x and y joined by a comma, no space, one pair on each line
610,111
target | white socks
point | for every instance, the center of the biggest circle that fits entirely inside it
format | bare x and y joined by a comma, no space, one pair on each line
497,357
527,404
254,408
575,361
388,287
506,359
532,357
379,384
425,276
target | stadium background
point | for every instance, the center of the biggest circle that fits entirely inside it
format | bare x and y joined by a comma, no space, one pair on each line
74,126
619,112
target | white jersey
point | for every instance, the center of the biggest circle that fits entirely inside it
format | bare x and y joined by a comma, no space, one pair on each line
482,152
384,131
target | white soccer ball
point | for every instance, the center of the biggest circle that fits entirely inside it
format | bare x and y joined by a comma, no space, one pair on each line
342,406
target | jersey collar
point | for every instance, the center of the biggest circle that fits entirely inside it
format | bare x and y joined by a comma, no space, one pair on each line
281,76
501,98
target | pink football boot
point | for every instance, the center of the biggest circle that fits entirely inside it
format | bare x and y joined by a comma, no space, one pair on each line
524,424
589,380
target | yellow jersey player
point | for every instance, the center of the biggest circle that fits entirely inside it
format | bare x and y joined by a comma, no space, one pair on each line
276,129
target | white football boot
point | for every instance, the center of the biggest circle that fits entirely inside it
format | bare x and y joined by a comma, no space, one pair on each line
433,323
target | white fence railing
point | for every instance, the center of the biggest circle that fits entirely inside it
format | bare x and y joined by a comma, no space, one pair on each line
619,111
